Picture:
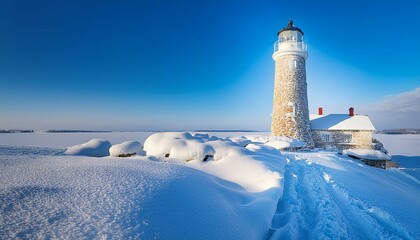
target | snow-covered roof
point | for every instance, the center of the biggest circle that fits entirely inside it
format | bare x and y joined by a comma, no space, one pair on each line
340,122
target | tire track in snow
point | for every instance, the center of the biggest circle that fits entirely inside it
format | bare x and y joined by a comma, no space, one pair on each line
315,207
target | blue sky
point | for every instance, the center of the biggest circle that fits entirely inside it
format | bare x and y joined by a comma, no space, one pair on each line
184,65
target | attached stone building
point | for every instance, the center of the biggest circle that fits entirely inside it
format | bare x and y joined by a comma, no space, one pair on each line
342,131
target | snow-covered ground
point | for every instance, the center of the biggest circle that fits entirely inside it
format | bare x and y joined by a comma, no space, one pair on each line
252,192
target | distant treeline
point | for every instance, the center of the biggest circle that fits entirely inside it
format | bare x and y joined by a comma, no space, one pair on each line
400,131
51,131
74,131
93,131
16,131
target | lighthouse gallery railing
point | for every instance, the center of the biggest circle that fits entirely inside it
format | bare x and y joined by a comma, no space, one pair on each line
290,45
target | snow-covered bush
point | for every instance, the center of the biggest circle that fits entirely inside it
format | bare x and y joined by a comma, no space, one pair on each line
232,161
224,148
186,147
126,149
93,148
368,154
178,145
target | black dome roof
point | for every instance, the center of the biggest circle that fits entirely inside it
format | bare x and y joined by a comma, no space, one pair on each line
290,27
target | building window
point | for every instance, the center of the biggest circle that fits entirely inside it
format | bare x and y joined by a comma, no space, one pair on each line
347,138
325,137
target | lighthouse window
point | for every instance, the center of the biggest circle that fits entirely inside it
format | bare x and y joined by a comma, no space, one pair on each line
293,64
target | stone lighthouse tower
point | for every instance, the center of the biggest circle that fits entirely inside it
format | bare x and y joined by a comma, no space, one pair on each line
290,115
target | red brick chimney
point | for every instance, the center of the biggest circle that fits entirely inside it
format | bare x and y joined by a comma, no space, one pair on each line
320,111
351,112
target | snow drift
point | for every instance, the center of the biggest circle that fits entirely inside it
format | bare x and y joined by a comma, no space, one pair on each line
231,196
231,161
93,148
278,142
368,154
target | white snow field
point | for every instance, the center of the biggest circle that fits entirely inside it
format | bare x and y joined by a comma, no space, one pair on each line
244,190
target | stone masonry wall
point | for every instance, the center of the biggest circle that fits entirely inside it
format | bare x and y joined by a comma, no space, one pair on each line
343,139
290,86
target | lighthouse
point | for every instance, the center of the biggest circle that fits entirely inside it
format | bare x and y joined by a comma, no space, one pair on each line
290,116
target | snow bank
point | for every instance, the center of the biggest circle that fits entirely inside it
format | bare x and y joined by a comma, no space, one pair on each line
254,171
187,147
368,154
234,197
232,162
126,149
93,148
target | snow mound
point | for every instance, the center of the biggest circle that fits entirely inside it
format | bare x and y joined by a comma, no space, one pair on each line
241,141
187,147
126,149
223,148
177,145
93,148
368,154
250,168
